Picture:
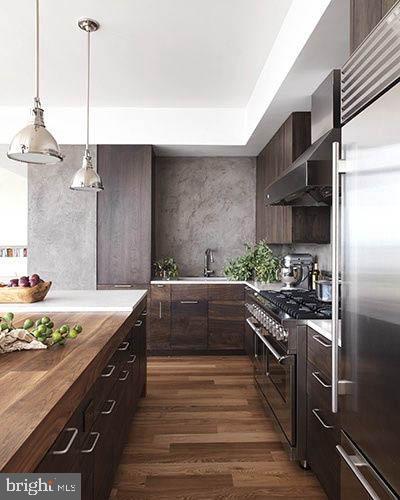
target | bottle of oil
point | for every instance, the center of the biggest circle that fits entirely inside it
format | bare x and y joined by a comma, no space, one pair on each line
314,276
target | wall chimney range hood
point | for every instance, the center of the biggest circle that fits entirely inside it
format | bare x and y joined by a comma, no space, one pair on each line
308,180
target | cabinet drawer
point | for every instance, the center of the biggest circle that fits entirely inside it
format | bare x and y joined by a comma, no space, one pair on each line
160,292
319,352
226,292
319,390
321,450
189,292
189,324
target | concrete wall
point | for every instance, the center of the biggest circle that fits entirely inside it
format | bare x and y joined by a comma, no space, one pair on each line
61,224
204,202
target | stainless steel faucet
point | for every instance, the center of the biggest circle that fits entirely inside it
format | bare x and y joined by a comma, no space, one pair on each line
208,259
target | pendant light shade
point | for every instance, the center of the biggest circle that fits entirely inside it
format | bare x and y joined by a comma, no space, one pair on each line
86,178
34,143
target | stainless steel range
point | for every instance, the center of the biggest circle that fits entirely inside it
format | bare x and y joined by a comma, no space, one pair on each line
276,322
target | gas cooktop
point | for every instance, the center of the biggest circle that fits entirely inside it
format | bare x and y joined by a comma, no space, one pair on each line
299,303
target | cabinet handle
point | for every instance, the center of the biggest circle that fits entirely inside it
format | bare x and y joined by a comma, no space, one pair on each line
139,323
354,467
189,301
106,375
74,431
124,346
123,286
133,359
160,310
144,313
317,339
96,438
113,403
124,377
160,286
317,377
324,425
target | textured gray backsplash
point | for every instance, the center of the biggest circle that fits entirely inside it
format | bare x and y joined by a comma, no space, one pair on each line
205,202
61,224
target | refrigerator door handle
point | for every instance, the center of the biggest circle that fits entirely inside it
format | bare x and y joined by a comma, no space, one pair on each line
337,170
353,462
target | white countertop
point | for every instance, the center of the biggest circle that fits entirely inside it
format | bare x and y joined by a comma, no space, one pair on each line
82,300
216,280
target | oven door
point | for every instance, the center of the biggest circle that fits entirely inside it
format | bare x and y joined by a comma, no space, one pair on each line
275,374
279,389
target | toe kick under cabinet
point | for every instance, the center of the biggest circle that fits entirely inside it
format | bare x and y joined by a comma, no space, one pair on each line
196,318
92,441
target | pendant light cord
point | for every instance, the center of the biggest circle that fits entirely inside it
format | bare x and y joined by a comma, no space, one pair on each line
37,98
88,92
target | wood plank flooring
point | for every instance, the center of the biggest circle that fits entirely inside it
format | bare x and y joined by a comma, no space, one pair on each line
201,433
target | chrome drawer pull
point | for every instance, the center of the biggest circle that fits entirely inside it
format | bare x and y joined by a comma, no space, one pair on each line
113,403
96,438
139,323
317,339
355,470
133,359
316,414
317,377
112,368
144,313
124,346
123,286
124,377
189,301
74,431
160,286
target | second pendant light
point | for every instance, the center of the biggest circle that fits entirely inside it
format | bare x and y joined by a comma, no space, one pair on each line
86,178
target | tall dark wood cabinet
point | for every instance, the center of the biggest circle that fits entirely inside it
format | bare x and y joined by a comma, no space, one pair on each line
364,16
281,224
124,215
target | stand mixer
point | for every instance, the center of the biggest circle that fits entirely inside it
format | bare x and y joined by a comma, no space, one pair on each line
296,271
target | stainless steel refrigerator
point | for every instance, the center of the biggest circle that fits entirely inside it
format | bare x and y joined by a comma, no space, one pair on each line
368,257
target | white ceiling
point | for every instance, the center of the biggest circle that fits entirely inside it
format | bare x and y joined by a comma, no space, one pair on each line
193,77
148,53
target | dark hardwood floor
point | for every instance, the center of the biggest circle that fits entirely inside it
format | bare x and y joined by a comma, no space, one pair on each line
201,433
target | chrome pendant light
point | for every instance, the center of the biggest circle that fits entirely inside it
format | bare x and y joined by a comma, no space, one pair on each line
86,178
35,144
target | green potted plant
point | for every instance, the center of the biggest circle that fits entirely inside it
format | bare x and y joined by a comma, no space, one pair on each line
166,268
258,263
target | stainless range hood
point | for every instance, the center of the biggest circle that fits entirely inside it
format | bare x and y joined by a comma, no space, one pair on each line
308,180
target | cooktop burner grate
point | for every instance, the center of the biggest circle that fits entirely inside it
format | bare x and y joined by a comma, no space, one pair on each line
299,304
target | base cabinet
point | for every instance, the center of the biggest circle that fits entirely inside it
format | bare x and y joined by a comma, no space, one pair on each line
92,441
196,317
323,429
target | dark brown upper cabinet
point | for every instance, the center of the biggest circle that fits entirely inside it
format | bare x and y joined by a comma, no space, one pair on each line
124,215
364,16
284,224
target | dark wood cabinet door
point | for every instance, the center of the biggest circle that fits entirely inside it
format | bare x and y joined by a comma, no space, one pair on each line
226,325
284,224
124,215
160,325
364,16
230,292
189,324
159,314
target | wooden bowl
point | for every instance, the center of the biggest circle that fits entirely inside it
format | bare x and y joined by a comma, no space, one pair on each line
20,294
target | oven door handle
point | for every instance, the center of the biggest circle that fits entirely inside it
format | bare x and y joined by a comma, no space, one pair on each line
281,359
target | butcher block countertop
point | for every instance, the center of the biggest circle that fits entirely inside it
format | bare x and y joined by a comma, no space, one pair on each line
41,389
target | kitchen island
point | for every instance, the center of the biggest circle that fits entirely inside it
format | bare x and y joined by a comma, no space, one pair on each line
61,398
